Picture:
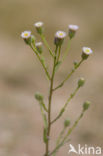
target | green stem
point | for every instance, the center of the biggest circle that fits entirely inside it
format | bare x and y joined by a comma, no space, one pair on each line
60,136
64,107
59,53
43,105
49,104
68,76
66,51
43,116
46,44
68,133
74,125
36,52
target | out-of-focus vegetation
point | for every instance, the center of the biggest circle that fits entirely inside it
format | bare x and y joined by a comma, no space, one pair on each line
21,74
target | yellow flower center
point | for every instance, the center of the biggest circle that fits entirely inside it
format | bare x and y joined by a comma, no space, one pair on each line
87,50
61,34
39,24
26,34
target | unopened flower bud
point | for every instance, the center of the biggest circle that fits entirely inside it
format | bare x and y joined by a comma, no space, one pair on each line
66,123
81,82
39,96
86,105
39,47
72,30
26,35
39,27
86,52
59,38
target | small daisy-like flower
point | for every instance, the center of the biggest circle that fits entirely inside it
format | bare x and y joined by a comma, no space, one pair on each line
39,46
38,24
39,27
73,27
59,37
86,52
60,34
72,30
26,34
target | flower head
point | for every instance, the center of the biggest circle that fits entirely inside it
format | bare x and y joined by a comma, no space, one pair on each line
39,27
73,27
86,52
38,24
59,37
72,30
60,34
26,34
39,46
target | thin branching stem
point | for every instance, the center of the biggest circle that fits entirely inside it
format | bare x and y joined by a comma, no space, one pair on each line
65,105
46,44
49,103
67,135
66,51
38,56
69,75
59,53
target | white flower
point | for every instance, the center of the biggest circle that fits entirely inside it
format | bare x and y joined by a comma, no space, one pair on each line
26,34
87,50
60,34
38,24
73,27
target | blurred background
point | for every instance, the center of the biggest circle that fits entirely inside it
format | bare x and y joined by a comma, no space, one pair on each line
21,74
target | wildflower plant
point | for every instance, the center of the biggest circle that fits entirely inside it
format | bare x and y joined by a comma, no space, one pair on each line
37,48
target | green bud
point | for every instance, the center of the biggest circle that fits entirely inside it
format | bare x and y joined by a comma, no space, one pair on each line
39,96
66,123
86,105
81,82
